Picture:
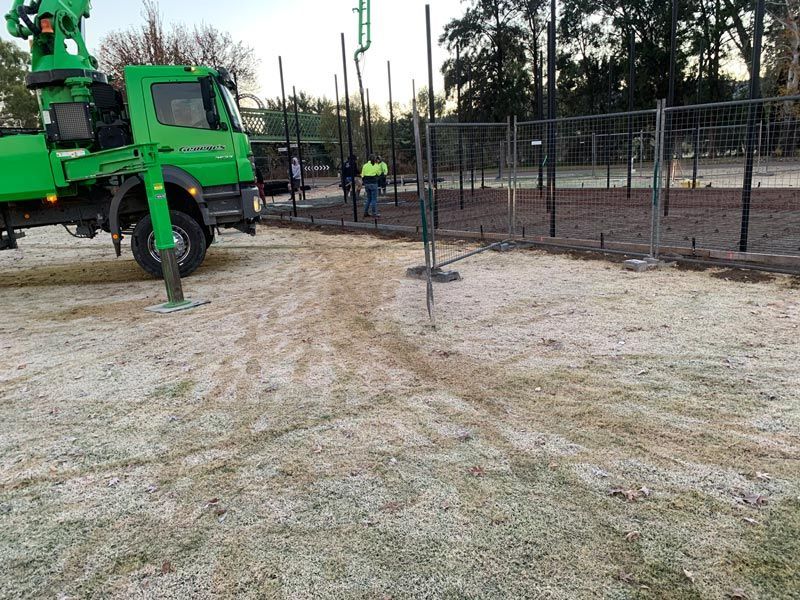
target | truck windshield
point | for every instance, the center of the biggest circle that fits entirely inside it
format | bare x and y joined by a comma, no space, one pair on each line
233,110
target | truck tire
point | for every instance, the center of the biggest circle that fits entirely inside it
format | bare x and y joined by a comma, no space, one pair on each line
190,244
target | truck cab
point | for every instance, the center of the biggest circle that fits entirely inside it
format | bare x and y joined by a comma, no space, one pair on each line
188,113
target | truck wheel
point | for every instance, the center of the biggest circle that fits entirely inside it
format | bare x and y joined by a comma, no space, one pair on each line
190,244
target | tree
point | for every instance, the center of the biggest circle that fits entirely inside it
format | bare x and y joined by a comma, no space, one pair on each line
153,44
493,66
306,103
784,47
18,106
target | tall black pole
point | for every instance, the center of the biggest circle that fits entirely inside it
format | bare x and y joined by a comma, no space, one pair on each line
673,49
288,139
551,125
299,146
391,131
460,132
607,144
631,87
369,125
352,158
432,117
341,142
540,114
698,124
753,117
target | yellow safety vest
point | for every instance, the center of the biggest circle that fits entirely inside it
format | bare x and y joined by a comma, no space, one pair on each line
370,170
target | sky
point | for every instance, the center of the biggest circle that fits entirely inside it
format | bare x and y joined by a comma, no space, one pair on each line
307,34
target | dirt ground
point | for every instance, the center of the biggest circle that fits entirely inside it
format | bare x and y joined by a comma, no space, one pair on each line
569,431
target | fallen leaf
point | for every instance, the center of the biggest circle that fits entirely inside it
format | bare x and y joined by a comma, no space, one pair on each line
477,471
317,449
689,575
166,567
645,491
220,511
750,521
464,436
212,502
151,489
629,495
21,367
632,536
113,482
763,476
626,577
755,500
738,594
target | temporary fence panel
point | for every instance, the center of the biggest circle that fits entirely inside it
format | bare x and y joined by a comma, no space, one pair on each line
733,182
588,180
471,167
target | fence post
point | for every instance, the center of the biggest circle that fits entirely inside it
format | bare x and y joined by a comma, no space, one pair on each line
753,116
512,226
658,158
431,190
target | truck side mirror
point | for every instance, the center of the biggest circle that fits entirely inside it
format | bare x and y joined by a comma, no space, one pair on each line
210,106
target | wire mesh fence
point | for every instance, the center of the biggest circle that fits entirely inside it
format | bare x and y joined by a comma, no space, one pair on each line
592,181
732,182
718,180
471,167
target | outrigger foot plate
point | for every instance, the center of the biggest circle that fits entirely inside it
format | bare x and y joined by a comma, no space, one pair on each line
165,309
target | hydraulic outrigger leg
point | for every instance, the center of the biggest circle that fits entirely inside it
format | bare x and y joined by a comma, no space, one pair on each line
165,244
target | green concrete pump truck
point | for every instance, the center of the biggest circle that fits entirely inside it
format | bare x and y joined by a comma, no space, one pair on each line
167,163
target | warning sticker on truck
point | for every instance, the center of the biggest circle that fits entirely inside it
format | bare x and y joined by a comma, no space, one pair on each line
78,152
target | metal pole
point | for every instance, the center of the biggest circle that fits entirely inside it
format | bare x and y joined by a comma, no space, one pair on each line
657,164
631,87
460,132
513,223
369,124
673,48
431,205
352,157
754,116
431,121
341,142
607,136
288,139
540,118
299,147
427,240
551,125
391,129
696,158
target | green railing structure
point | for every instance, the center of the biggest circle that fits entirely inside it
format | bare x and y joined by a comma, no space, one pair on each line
267,126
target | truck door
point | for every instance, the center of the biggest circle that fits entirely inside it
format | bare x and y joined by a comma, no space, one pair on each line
187,135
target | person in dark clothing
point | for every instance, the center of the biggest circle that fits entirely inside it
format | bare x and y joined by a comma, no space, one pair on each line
260,186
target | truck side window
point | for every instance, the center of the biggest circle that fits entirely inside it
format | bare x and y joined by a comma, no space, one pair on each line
180,105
